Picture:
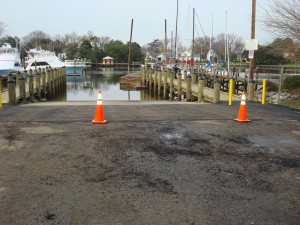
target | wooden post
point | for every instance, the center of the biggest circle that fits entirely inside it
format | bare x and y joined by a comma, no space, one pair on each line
165,84
188,89
217,89
179,91
31,87
201,85
43,91
155,82
159,82
171,86
147,77
25,75
48,83
22,88
143,75
38,84
11,90
17,78
150,81
185,75
52,84
194,78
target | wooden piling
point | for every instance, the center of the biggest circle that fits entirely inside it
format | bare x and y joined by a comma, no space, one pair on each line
188,89
31,85
179,91
155,82
38,84
22,88
217,89
165,84
171,85
201,84
11,90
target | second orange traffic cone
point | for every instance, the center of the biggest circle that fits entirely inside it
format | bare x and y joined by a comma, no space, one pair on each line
99,115
242,117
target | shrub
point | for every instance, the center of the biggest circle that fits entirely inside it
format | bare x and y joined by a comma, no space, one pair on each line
271,86
291,82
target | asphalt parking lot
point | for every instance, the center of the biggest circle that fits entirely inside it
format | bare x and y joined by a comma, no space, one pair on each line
152,163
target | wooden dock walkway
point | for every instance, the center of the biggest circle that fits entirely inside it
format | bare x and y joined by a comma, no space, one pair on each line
34,85
184,87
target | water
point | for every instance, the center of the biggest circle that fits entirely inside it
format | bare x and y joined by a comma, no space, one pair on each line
85,87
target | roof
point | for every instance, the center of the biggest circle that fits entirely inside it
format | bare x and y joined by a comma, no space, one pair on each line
107,57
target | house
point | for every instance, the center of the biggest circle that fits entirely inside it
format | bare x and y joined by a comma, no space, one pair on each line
108,60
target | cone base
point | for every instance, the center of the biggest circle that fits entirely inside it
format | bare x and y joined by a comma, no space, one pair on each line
246,120
99,122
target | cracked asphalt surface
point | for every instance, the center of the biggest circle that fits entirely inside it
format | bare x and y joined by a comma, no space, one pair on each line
152,163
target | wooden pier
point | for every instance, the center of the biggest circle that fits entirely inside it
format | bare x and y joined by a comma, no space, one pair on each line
199,86
32,86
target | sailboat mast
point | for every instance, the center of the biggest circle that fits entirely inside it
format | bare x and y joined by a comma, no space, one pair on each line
166,44
176,32
227,48
193,44
225,39
130,45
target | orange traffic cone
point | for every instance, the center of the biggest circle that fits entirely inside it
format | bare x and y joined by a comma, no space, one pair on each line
99,115
242,117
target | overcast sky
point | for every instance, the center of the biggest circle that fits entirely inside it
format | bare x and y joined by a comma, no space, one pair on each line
112,18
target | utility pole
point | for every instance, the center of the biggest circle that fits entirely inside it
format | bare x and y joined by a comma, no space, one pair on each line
251,83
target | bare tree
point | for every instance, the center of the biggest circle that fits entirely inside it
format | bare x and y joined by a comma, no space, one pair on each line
2,28
103,41
283,18
35,38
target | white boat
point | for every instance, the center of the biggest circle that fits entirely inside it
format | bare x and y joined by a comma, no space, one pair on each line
75,66
10,60
41,59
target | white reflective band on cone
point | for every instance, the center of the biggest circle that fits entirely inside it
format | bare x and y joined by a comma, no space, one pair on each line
99,102
243,102
99,96
243,97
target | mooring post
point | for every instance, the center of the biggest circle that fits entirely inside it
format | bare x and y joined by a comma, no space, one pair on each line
43,83
143,75
188,88
56,84
146,77
25,75
179,91
150,81
31,85
38,84
52,84
11,90
48,83
201,85
194,77
155,82
217,90
184,75
159,82
165,84
22,88
171,86
17,78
